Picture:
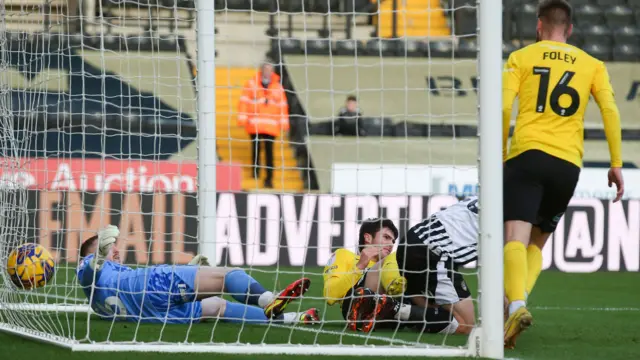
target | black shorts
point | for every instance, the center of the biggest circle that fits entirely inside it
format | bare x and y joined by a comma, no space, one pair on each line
346,305
428,274
538,188
346,302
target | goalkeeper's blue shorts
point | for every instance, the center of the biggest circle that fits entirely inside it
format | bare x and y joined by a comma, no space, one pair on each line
169,295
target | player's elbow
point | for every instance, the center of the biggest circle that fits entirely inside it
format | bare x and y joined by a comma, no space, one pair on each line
332,293
328,295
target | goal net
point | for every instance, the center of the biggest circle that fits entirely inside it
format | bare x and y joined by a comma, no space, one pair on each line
132,113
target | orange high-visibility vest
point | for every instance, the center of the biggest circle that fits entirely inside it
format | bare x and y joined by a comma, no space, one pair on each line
264,110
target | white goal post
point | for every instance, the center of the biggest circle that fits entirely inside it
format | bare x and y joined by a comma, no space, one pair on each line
108,117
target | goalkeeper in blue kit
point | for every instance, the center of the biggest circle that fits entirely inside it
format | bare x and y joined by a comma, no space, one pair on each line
179,294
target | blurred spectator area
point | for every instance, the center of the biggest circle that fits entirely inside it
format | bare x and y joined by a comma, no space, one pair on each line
277,18
37,15
607,29
120,16
313,43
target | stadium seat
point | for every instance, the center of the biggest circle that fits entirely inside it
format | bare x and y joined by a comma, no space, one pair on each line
507,49
287,46
607,3
260,5
588,14
317,46
349,47
410,47
601,51
525,20
410,129
465,20
382,47
463,3
468,48
290,6
619,15
575,3
577,37
321,128
237,4
634,3
358,6
629,34
440,48
375,126
597,34
322,6
315,6
626,52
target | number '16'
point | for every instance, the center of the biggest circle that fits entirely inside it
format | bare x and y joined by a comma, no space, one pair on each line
561,88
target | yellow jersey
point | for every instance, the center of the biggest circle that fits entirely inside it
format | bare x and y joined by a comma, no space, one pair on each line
553,82
341,275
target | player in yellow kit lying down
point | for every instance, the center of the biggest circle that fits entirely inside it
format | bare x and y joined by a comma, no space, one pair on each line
374,273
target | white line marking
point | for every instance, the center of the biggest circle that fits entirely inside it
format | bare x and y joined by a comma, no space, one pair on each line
350,334
602,309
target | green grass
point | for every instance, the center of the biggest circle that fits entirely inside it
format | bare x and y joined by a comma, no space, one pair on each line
577,316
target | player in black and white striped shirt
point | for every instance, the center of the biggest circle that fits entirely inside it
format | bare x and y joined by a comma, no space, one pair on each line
431,253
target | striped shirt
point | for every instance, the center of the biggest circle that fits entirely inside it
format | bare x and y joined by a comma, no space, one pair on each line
453,232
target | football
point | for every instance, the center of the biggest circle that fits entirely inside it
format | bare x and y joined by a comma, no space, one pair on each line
30,266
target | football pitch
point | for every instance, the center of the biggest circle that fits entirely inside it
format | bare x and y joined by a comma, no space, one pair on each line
576,316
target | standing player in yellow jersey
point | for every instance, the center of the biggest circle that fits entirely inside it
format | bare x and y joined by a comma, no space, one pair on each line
553,82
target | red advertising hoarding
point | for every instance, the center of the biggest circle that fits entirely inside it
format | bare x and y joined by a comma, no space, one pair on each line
112,175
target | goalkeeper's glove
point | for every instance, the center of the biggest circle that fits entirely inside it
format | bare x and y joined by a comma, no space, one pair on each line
106,239
397,286
200,260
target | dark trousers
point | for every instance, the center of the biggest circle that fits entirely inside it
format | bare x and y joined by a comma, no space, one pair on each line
267,140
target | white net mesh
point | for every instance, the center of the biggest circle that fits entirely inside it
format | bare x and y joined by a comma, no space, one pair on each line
99,122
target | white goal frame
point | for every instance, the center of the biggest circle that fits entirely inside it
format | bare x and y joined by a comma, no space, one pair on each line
486,339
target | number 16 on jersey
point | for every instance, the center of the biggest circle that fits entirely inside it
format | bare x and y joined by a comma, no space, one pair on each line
561,88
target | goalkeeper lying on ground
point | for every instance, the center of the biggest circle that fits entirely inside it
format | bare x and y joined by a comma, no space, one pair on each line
358,281
179,294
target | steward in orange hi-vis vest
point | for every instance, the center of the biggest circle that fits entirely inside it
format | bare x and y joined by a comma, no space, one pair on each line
263,106
264,113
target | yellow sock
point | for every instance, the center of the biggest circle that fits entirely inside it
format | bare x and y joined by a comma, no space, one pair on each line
389,273
515,270
534,266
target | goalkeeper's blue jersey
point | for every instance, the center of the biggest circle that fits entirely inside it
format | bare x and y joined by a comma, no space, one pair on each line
149,294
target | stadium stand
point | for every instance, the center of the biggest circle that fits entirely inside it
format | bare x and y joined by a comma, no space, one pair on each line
233,142
412,18
50,15
599,24
312,29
